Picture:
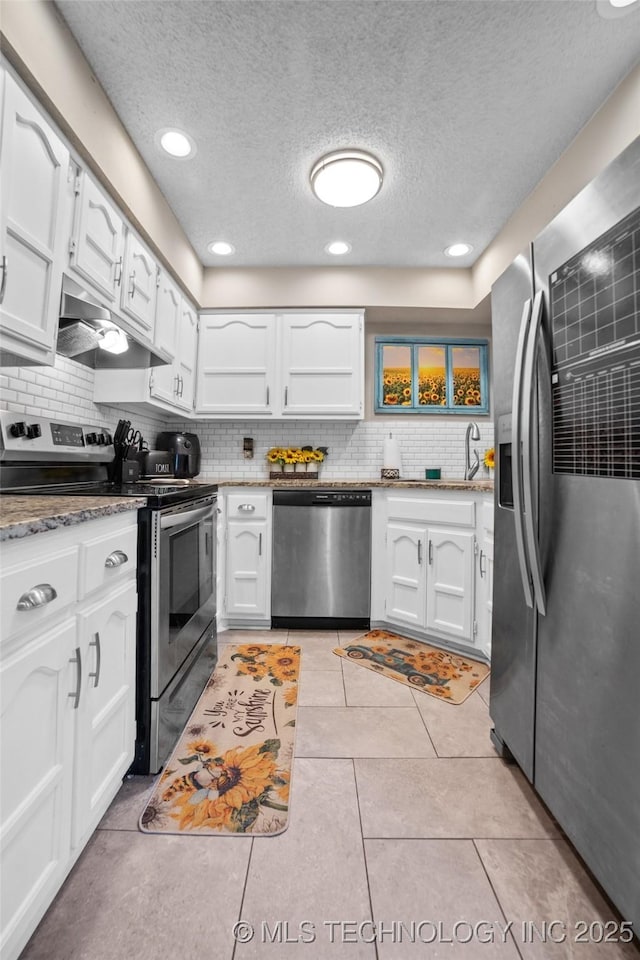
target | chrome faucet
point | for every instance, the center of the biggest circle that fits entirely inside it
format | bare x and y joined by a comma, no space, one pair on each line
470,469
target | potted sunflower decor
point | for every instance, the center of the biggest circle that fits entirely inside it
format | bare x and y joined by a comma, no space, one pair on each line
290,462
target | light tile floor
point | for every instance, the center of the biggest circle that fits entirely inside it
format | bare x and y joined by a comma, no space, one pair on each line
408,837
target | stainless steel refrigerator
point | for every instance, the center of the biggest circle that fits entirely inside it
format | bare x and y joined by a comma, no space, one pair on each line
565,687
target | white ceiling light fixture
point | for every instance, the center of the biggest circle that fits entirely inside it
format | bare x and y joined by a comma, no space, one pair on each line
176,143
346,178
221,248
458,250
337,248
610,9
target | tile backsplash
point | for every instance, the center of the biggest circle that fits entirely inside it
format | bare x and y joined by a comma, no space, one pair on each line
355,448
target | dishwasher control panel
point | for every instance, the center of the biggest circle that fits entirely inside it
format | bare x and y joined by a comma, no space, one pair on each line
322,498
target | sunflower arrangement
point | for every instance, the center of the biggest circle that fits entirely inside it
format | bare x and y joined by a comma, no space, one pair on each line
305,454
490,458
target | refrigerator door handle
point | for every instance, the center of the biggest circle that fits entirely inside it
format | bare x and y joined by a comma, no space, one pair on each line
516,454
528,397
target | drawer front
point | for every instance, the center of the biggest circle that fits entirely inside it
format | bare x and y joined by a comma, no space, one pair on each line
457,513
247,506
487,516
43,586
108,558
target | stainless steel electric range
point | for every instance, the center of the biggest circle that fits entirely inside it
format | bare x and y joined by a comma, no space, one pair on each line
177,647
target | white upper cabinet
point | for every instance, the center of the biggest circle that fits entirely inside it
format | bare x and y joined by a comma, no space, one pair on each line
139,288
168,315
35,196
97,246
237,364
290,364
187,357
322,364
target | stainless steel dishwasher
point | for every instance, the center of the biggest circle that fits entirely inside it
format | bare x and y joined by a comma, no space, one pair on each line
321,577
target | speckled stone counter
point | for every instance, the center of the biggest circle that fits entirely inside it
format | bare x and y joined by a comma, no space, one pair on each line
23,516
471,486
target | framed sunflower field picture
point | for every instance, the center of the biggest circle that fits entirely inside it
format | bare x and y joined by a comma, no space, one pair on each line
431,375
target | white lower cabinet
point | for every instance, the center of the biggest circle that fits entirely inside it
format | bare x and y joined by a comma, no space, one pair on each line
432,565
247,564
67,695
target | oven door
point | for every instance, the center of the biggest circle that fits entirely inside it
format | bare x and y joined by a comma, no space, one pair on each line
183,604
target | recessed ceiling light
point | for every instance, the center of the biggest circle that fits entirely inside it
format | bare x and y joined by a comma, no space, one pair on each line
346,178
458,249
621,3
176,143
337,248
610,9
221,248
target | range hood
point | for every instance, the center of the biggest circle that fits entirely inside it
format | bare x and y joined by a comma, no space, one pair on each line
94,336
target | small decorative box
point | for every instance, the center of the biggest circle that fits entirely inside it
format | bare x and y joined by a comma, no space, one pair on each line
389,473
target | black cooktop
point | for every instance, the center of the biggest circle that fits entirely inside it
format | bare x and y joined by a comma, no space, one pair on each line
157,495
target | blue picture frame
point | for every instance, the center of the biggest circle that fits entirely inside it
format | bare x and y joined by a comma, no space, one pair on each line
414,344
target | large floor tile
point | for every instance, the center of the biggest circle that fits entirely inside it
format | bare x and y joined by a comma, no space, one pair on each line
365,688
321,688
324,638
457,730
542,882
361,732
317,654
484,690
124,812
439,891
446,798
313,872
253,636
146,897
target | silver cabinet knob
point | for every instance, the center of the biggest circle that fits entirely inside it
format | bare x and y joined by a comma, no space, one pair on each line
38,596
116,559
246,508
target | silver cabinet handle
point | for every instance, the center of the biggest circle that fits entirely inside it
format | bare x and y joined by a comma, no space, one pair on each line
75,696
430,552
96,643
480,563
267,404
177,386
5,270
118,277
38,596
259,544
246,507
286,396
419,551
132,282
116,559
181,385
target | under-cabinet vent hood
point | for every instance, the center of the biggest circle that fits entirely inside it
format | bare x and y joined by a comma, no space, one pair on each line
94,336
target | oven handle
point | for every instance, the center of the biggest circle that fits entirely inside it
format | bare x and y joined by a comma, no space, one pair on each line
183,519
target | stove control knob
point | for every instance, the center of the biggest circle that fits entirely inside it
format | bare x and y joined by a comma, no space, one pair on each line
100,439
90,439
18,429
34,431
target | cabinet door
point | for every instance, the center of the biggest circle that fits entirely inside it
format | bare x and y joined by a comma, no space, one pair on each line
450,597
236,364
246,570
106,718
36,759
34,165
168,315
98,239
322,364
139,286
406,574
186,363
484,581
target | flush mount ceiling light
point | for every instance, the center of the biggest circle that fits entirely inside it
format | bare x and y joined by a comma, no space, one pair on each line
176,143
346,178
221,248
338,248
458,249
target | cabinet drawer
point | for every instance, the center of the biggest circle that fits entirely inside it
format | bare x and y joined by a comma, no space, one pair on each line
108,558
247,506
458,513
57,570
487,516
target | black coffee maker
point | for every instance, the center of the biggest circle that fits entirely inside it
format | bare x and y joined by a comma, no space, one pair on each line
184,449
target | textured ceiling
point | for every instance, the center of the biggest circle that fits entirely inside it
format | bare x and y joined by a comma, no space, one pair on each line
467,103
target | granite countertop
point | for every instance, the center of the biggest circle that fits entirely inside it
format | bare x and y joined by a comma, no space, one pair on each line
472,486
23,516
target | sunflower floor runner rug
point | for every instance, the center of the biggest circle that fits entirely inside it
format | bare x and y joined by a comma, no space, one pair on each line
231,769
441,674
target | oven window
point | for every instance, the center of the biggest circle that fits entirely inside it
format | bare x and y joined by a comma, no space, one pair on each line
184,588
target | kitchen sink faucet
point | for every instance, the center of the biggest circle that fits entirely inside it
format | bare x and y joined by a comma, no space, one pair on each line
470,469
